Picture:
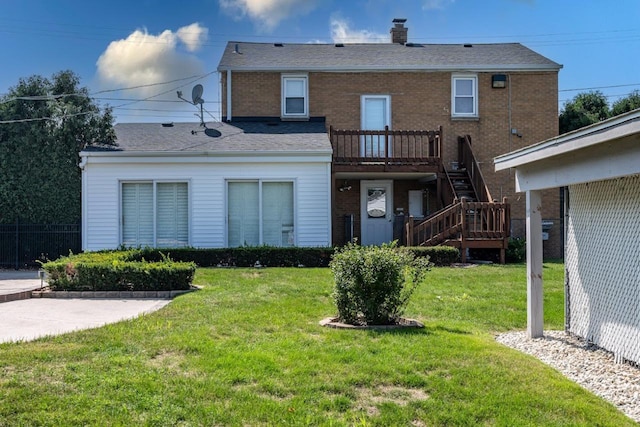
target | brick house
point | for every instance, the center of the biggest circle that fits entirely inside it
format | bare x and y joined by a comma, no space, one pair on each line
413,127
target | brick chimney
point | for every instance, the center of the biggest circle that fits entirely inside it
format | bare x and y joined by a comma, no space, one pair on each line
398,31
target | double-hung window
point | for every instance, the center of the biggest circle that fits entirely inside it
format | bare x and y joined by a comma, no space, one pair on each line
295,96
464,96
155,214
260,213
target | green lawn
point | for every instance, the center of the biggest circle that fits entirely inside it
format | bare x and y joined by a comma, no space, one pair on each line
247,350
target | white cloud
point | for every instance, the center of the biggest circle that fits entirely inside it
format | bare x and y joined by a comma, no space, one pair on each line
341,33
144,59
193,36
267,13
436,4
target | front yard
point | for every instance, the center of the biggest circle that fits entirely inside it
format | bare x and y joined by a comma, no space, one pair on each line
247,350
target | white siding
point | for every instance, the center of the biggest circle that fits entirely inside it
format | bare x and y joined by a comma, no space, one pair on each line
207,188
603,265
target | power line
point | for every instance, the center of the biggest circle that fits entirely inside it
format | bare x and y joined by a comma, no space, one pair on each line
58,96
40,119
598,87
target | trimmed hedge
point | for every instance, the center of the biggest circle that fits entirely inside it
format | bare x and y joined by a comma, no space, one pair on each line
117,271
279,257
441,256
173,269
244,256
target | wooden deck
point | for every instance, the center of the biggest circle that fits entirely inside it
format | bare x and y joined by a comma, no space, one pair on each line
464,225
386,150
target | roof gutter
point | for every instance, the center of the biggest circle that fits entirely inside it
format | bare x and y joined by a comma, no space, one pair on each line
183,154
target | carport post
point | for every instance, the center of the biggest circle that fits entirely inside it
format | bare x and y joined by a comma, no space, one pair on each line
534,264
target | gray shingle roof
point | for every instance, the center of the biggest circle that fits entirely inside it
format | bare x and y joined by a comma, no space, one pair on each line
219,137
382,56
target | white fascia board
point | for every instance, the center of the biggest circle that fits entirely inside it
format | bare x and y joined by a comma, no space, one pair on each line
358,68
607,131
205,157
609,160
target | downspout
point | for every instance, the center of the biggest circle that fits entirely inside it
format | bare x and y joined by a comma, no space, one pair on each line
229,115
509,130
83,200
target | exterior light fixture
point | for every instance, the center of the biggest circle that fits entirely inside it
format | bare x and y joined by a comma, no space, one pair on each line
499,81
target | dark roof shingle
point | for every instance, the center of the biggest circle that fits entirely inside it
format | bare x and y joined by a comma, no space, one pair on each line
381,56
220,137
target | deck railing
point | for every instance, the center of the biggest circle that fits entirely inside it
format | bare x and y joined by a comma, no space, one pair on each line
386,146
462,221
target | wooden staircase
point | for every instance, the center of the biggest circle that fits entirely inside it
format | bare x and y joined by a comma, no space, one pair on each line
462,185
470,218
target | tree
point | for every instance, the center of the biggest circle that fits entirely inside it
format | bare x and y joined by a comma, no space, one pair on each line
628,103
584,109
45,125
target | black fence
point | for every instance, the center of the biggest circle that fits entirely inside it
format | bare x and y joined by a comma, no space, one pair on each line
23,245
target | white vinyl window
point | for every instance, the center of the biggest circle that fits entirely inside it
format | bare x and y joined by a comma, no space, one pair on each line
464,96
155,214
260,213
295,96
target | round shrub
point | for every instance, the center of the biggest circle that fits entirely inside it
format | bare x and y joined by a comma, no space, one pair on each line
374,283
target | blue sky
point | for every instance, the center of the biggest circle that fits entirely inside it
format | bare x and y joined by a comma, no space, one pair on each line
123,44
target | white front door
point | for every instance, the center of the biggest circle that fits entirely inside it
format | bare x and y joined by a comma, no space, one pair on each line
376,114
376,212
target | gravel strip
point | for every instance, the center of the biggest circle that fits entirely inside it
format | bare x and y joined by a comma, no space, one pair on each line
586,364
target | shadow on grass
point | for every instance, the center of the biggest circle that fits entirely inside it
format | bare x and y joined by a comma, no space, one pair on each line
427,330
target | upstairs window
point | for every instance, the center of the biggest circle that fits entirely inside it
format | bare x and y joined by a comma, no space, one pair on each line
464,96
295,96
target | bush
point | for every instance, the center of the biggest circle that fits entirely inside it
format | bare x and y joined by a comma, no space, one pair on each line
440,256
517,250
374,283
117,271
245,256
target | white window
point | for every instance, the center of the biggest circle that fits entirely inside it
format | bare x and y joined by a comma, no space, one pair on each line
295,96
464,96
155,214
260,213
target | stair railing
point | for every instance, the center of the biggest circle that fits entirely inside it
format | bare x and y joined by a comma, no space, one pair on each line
467,160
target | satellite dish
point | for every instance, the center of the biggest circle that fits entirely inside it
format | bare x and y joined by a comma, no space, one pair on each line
214,133
196,94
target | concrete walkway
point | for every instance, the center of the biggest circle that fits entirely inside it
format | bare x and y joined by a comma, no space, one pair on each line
27,319
12,282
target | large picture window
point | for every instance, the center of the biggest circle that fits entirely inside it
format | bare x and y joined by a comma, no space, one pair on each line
464,96
155,214
295,99
260,213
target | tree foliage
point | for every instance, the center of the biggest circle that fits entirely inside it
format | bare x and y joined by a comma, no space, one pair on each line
626,104
592,107
584,109
41,179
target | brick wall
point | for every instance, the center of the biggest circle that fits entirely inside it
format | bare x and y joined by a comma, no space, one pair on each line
422,100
